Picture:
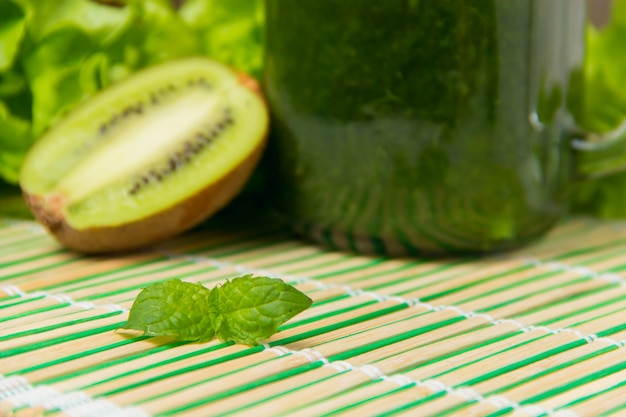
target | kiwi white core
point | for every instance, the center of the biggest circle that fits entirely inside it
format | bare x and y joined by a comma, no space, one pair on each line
136,145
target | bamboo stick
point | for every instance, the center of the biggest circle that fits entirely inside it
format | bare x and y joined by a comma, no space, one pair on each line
287,396
483,354
546,298
101,379
201,383
33,339
532,370
412,355
401,355
452,344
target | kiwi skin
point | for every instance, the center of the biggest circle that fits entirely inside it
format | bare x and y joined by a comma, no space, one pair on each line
159,226
152,229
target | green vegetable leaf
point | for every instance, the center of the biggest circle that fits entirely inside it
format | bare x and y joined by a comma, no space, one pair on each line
173,308
602,108
103,23
604,96
55,54
245,310
248,310
231,31
14,141
64,82
12,27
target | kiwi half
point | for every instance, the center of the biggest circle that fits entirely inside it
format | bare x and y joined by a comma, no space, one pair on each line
147,158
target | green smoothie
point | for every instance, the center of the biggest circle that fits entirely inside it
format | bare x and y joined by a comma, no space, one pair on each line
420,126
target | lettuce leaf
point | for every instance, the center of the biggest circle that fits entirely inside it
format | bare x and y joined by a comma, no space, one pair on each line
55,54
603,104
12,28
604,96
231,31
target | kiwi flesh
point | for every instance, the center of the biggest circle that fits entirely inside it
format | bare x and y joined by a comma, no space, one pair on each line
147,158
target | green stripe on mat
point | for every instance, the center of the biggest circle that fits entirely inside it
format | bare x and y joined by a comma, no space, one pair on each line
69,358
551,370
202,365
394,339
8,303
360,403
563,388
591,396
269,398
58,340
39,269
378,343
412,404
126,359
251,350
240,389
521,363
34,311
91,277
578,311
31,258
537,292
45,329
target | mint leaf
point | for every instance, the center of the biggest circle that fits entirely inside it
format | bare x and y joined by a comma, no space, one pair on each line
245,310
248,310
173,308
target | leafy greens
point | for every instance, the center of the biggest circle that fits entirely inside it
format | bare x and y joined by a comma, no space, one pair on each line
603,105
54,54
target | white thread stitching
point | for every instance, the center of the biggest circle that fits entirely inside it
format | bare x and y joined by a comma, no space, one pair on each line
372,371
499,401
566,413
583,271
412,302
466,393
398,379
340,366
12,386
535,410
312,355
19,392
60,298
12,290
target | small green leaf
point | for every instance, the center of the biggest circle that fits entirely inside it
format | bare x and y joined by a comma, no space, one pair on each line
248,309
173,308
245,310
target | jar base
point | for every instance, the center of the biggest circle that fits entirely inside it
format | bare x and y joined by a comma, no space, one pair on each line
398,248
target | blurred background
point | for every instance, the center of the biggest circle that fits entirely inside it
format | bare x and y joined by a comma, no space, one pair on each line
599,11
55,54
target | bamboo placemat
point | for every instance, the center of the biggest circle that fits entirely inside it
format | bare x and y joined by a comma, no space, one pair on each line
536,332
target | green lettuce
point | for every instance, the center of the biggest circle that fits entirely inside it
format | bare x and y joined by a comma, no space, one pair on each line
603,109
55,54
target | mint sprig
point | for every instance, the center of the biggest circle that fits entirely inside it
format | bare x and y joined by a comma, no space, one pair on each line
244,310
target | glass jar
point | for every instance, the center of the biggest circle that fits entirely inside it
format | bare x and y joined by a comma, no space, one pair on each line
411,126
